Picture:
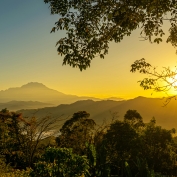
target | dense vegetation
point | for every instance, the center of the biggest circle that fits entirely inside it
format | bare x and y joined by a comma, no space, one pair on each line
124,148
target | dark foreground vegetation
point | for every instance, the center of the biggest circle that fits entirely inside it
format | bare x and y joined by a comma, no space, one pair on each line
128,148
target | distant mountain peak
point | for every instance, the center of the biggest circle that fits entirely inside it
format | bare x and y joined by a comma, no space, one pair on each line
35,91
33,84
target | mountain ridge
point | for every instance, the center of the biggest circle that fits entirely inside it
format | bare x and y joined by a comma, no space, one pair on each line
106,110
35,91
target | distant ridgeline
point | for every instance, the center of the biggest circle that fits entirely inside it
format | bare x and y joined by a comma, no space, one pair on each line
100,111
32,96
38,92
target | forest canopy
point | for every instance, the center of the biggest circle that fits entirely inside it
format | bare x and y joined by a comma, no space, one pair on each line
126,148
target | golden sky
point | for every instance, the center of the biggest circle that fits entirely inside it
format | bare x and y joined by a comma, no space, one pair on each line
28,54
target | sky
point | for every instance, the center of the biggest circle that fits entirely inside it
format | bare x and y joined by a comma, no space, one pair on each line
28,54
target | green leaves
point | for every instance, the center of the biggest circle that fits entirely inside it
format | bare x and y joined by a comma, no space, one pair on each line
158,148
61,162
78,129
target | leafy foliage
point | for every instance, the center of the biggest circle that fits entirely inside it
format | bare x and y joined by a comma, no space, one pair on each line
12,137
121,143
20,139
133,118
158,148
124,148
17,173
77,129
91,25
60,162
132,148
157,81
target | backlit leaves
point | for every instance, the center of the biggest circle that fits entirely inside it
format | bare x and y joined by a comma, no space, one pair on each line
90,25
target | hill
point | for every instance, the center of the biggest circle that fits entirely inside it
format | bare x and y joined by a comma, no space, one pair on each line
35,91
103,110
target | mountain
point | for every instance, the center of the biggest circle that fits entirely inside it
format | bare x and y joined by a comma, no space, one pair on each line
16,105
35,91
100,111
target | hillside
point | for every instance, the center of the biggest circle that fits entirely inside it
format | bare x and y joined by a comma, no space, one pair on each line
35,91
103,110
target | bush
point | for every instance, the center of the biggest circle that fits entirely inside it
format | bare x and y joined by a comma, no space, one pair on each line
60,162
17,173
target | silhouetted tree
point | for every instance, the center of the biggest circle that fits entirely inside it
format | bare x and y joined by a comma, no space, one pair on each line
162,81
133,118
158,148
91,25
122,145
20,138
76,132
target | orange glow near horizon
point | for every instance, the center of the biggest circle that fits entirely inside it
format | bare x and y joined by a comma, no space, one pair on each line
34,58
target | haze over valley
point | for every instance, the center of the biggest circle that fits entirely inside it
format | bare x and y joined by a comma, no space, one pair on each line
36,99
104,111
88,88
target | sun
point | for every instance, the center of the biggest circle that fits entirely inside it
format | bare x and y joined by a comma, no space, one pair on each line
173,82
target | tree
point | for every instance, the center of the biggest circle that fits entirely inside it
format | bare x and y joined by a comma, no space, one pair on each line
138,151
60,162
158,148
133,118
20,138
91,25
35,133
122,144
11,136
157,81
76,132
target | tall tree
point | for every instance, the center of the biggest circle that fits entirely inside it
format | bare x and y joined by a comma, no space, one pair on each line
158,148
134,118
122,145
91,25
20,138
76,132
11,136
